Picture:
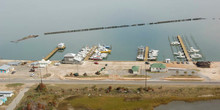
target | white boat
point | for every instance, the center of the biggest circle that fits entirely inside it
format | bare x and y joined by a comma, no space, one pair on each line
181,57
196,56
140,54
192,50
179,53
61,45
104,55
175,43
103,49
153,54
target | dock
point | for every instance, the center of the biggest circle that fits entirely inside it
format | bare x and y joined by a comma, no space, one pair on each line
183,48
146,53
53,52
91,52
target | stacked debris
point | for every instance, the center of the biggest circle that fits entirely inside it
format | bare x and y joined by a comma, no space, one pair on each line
203,64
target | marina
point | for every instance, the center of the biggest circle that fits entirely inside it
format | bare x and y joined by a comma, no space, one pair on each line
144,54
60,46
185,50
96,52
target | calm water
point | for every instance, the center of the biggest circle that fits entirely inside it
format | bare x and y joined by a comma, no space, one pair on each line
200,105
20,18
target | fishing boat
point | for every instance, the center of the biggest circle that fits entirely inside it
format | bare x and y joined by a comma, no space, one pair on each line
192,50
181,57
196,56
140,54
179,53
175,43
153,54
103,49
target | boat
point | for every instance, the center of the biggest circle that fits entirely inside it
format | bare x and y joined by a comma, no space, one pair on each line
104,55
140,54
96,57
103,49
153,54
179,53
61,46
192,50
196,56
181,57
175,43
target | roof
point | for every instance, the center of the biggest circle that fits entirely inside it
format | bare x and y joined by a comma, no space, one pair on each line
158,65
14,63
70,55
5,67
135,68
6,92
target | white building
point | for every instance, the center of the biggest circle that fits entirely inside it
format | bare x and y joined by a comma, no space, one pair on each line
6,93
69,58
158,67
5,68
1,102
167,60
43,63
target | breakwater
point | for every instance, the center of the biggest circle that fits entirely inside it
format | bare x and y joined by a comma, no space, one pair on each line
25,38
124,26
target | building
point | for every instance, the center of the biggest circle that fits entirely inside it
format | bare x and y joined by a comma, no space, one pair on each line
167,60
5,68
3,99
135,69
43,63
68,58
158,67
14,63
6,93
1,102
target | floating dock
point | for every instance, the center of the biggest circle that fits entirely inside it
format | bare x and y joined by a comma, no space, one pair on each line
184,48
91,52
53,52
146,53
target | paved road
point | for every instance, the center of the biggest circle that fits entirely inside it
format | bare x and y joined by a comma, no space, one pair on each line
18,98
160,82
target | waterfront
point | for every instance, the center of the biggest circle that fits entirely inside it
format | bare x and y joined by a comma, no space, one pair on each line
199,105
36,18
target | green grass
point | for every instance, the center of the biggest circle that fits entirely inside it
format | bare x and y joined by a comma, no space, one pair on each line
14,85
184,76
136,76
87,96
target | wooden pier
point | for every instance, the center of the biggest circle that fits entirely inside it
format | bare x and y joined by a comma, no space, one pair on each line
91,52
53,52
184,48
146,53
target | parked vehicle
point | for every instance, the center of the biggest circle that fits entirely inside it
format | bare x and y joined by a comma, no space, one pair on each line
13,72
32,74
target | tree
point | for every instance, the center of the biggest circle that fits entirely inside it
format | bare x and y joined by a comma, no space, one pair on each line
185,72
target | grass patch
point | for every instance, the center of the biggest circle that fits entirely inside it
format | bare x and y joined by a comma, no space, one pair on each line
183,76
46,75
14,85
114,97
136,76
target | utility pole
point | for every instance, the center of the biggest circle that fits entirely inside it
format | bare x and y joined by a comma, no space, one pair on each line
145,76
41,77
